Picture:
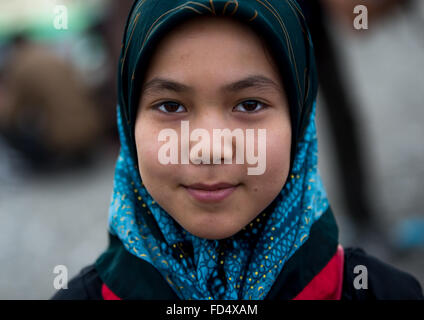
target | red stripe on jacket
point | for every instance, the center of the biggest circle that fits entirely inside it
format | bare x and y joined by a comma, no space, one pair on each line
328,283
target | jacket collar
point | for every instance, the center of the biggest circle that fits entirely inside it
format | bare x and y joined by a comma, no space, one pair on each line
313,272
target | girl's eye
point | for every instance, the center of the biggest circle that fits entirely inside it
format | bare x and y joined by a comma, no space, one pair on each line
250,106
170,107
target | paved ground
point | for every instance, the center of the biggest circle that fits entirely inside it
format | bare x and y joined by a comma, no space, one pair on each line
49,221
62,219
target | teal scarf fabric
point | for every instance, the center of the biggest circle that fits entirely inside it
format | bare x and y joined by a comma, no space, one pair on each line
245,265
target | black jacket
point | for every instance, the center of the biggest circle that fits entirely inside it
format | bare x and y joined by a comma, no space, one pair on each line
402,286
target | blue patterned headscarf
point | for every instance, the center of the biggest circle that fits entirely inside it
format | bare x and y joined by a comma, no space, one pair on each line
245,265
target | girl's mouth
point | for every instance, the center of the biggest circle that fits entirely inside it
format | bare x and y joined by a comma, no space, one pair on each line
211,193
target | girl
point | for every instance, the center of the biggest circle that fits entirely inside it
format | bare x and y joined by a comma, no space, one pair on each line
207,229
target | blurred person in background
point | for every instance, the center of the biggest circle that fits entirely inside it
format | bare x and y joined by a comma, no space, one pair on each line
110,28
341,106
47,113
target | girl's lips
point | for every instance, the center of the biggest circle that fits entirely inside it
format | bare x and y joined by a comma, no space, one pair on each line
211,194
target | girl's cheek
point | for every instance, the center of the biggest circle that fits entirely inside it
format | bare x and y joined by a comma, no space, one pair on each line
151,170
147,146
278,154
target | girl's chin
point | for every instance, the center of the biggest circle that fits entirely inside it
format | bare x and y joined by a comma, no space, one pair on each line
212,234
213,230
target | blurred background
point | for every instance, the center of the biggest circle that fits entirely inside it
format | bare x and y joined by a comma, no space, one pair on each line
58,139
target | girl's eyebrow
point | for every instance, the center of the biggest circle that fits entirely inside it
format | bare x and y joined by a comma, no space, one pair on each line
255,81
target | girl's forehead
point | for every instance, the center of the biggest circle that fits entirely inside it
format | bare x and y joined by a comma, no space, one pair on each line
201,30
219,44
217,23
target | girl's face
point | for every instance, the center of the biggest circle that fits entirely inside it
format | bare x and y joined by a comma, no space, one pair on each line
204,63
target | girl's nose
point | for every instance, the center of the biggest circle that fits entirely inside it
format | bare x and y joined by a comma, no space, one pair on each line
211,140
